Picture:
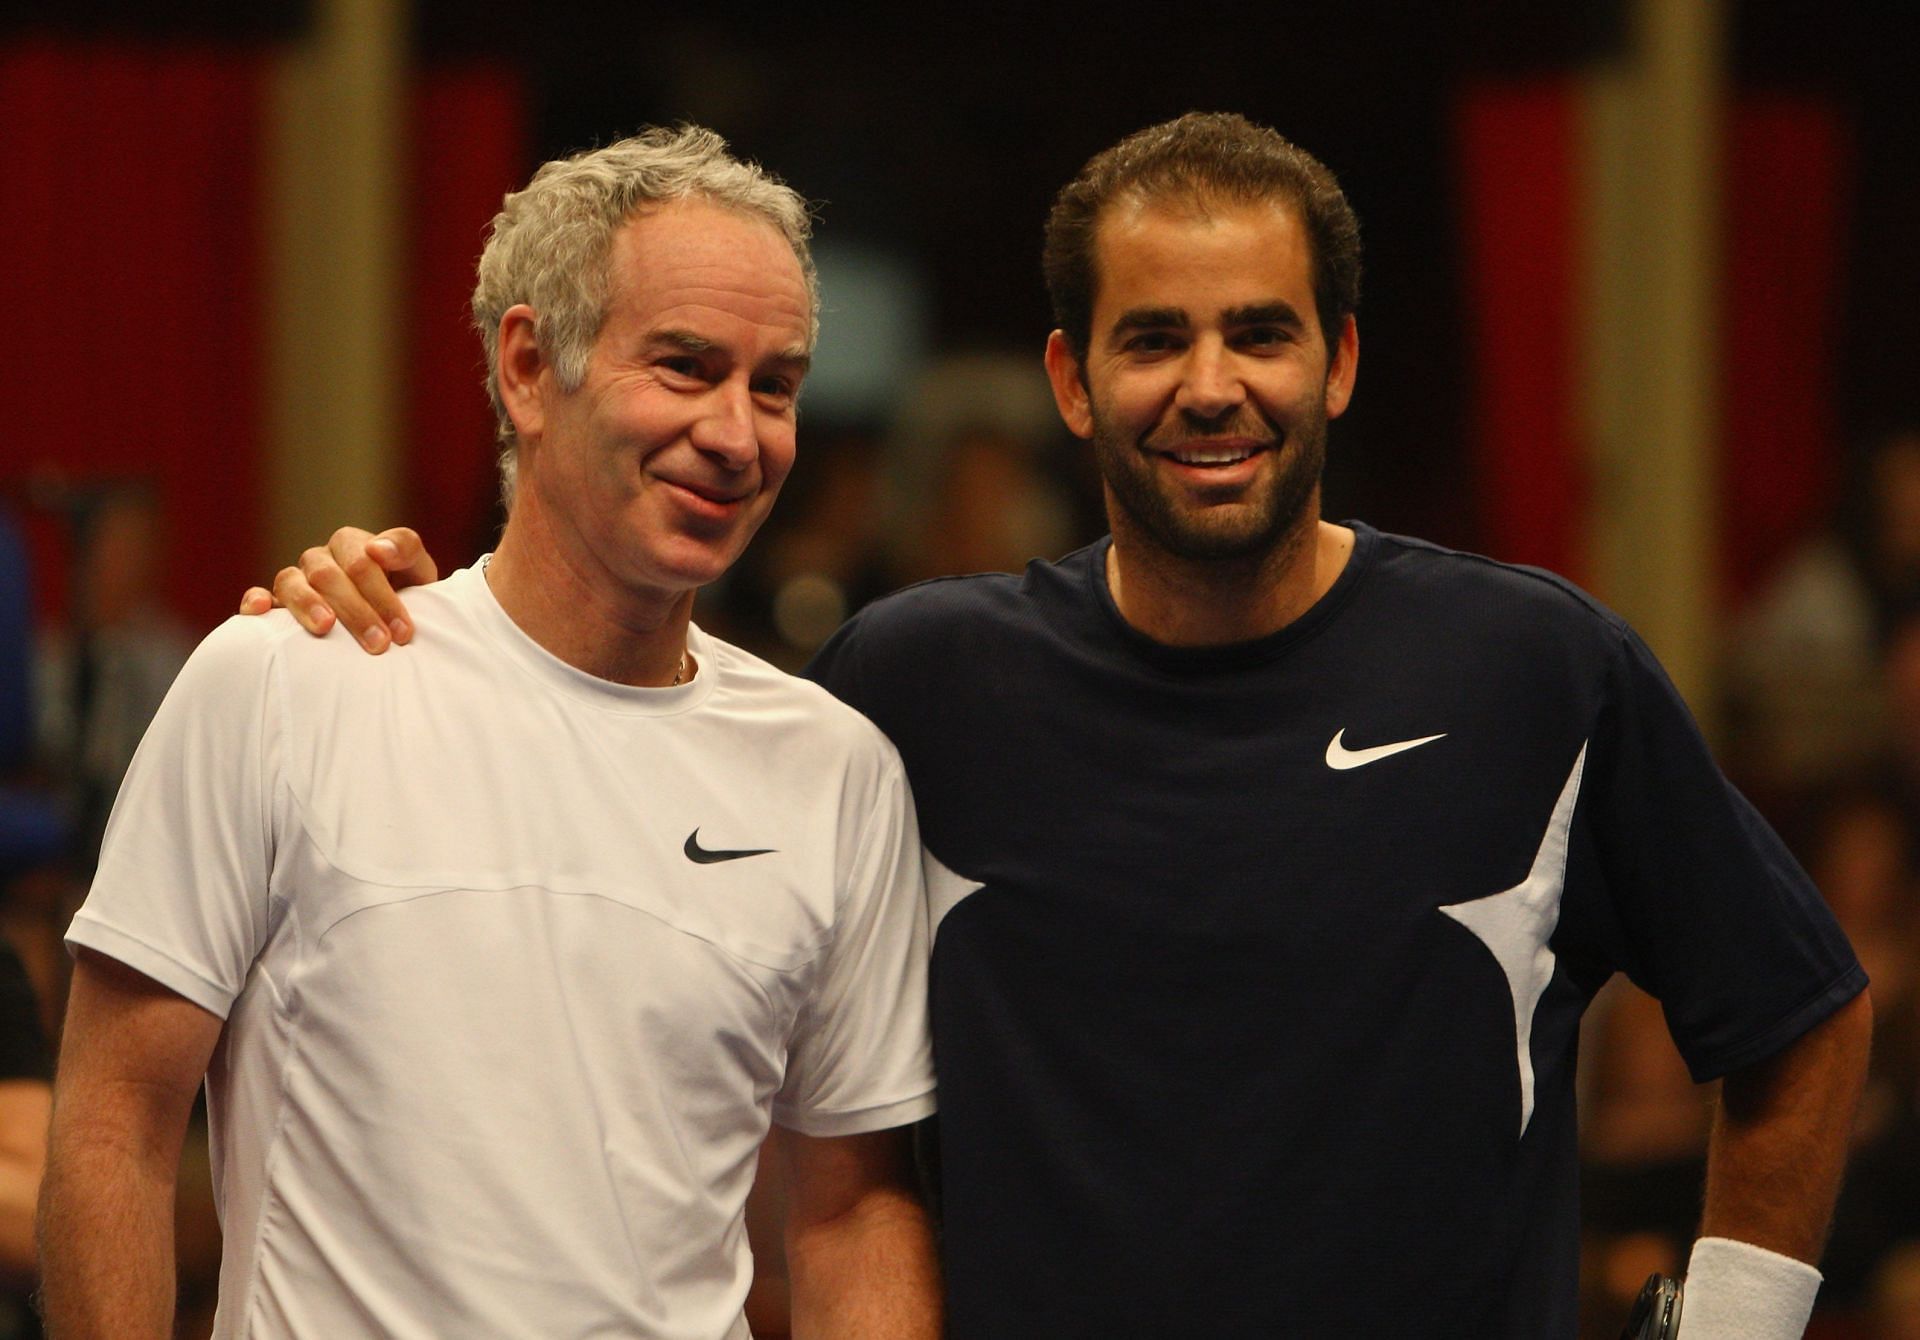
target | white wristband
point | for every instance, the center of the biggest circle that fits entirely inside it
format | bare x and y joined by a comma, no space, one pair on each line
1736,1291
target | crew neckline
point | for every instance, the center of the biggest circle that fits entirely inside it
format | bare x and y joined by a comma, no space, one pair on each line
1233,655
548,669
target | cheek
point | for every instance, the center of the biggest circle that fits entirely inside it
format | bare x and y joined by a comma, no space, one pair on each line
1136,401
778,449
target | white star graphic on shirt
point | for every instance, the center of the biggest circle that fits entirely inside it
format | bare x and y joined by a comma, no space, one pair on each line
945,889
1516,923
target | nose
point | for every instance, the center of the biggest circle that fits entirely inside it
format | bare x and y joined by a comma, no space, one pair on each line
725,428
1210,384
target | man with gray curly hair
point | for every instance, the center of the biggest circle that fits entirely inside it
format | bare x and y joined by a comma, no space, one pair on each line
550,243
500,959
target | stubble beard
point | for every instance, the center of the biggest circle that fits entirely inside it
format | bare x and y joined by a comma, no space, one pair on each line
1266,519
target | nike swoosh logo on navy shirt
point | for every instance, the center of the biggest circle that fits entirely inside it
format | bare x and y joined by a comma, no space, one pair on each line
1340,758
702,856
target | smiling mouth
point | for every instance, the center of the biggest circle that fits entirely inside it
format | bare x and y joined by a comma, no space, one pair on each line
715,496
1212,454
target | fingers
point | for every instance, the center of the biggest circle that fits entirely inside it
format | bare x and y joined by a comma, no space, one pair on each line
400,551
290,589
346,579
374,565
352,582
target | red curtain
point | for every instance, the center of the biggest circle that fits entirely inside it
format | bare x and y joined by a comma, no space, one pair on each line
1783,232
1518,172
469,149
131,245
129,177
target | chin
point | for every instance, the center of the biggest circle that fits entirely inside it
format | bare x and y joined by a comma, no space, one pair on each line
686,571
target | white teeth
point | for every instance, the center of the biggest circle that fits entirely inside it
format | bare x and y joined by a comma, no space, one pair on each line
1209,457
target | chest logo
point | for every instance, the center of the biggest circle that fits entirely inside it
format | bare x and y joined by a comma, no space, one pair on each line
1340,758
700,855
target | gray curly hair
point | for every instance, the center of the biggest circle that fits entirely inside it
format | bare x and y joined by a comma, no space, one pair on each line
551,243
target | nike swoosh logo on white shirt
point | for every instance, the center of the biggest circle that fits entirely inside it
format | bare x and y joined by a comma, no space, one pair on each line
1340,758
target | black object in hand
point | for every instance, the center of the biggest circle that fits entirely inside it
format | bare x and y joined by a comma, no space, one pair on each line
1656,1312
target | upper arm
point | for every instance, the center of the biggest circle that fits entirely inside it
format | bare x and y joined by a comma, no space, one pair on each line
828,1176
133,1053
1826,1065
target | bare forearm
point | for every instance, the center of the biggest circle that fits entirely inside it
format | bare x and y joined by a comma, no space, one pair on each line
106,1242
1780,1139
870,1274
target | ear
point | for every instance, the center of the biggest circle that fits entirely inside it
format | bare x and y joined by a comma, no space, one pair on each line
1069,386
522,389
1342,366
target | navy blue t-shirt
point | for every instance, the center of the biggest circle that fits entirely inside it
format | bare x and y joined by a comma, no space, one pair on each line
1258,969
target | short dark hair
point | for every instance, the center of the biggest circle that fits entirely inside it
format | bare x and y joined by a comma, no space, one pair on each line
1202,158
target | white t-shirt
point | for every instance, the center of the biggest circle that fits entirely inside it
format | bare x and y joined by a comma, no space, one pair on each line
515,964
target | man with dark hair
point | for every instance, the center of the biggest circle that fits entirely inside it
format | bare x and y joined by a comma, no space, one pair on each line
1202,160
1272,862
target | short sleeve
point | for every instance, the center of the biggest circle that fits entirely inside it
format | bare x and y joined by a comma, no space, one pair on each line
1720,922
859,1059
181,892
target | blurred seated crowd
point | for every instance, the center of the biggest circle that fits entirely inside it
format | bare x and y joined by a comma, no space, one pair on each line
1821,698
1821,693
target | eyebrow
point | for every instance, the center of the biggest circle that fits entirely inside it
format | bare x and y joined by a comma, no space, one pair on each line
684,340
1264,314
1149,318
1274,313
795,357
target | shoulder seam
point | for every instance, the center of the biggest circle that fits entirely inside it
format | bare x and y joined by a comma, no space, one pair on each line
1538,575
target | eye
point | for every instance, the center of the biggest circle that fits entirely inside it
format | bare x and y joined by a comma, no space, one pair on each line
680,365
780,391
1265,337
1150,342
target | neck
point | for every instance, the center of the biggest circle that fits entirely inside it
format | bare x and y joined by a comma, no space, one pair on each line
584,616
1184,602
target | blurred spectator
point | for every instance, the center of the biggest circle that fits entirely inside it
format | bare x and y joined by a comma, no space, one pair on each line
974,476
818,560
32,829
1804,677
102,677
1859,848
1896,1294
1643,1143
